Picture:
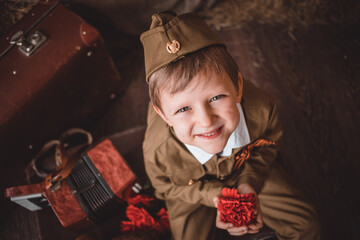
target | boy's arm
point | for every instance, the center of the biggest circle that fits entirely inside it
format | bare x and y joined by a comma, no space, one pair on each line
198,192
257,167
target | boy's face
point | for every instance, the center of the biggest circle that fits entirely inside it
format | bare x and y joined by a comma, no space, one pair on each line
205,113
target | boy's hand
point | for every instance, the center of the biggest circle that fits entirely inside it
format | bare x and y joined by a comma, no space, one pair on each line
234,231
242,230
255,227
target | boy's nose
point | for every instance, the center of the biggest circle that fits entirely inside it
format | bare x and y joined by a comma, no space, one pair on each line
205,117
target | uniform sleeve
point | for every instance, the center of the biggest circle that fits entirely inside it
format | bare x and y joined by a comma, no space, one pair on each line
199,192
257,167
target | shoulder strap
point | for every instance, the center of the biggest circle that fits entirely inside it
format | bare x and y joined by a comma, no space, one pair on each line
47,146
65,159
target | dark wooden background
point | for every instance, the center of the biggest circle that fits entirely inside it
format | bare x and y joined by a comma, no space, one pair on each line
311,67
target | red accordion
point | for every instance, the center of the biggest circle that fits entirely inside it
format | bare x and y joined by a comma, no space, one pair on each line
97,185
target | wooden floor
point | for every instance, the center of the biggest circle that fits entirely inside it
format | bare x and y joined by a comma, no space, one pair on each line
313,73
315,76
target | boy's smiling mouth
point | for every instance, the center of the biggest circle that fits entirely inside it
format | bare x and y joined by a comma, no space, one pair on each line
210,135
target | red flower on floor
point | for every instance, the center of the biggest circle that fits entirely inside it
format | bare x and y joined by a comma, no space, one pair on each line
140,219
164,225
236,208
140,200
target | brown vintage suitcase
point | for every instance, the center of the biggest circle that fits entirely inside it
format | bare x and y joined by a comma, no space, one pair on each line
55,73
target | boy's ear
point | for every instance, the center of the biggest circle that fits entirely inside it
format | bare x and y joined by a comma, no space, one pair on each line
240,84
161,114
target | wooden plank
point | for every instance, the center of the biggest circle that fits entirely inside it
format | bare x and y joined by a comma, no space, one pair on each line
314,75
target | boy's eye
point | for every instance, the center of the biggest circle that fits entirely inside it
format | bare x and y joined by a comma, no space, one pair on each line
184,109
216,97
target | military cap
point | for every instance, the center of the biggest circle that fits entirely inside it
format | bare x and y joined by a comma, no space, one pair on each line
172,37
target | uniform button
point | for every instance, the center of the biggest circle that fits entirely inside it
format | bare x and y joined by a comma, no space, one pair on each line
222,177
191,182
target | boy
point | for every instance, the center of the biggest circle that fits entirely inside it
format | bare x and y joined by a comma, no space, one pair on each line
202,119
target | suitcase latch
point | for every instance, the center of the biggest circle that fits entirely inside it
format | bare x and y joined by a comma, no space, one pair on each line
28,45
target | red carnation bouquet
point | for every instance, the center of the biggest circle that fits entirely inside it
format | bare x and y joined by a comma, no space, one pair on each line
144,216
235,208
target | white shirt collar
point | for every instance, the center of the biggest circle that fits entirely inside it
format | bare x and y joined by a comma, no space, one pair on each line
240,137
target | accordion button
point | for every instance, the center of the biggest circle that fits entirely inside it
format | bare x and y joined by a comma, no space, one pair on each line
191,182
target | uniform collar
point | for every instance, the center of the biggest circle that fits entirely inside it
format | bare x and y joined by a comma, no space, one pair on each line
240,137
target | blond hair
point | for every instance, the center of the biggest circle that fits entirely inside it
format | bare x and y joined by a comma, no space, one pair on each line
176,76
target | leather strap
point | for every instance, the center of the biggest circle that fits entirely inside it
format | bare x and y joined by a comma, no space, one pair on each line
47,146
61,154
64,159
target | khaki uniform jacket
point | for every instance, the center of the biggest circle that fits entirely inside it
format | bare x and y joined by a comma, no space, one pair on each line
185,184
